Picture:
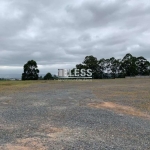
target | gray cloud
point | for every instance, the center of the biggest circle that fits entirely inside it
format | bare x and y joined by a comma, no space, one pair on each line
59,34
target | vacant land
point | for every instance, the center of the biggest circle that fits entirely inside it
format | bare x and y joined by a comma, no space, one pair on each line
75,115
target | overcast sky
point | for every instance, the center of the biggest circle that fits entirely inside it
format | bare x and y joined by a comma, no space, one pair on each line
60,33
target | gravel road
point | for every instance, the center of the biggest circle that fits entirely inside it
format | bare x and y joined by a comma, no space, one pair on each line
59,117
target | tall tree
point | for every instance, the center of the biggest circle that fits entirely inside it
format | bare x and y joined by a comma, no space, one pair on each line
142,66
30,71
102,67
115,66
91,62
129,65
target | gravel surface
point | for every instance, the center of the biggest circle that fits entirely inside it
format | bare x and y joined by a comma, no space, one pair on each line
59,117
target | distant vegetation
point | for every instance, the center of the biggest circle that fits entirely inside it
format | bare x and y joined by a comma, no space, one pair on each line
31,72
105,68
48,76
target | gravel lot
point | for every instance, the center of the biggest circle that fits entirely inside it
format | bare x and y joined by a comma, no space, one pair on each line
73,115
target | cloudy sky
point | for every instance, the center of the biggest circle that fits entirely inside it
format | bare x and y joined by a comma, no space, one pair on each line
60,33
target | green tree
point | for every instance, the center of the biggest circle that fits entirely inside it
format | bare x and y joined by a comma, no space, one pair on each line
114,66
129,66
79,66
101,67
142,66
55,77
91,62
30,71
48,76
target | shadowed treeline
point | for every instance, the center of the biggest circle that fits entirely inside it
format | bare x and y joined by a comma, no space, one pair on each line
105,68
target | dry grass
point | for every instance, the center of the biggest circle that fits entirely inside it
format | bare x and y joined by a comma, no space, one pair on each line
18,86
12,86
134,92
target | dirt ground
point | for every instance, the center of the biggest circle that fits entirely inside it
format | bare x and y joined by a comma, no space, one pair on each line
109,114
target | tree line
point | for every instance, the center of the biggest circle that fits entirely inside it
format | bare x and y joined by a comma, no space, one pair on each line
104,68
116,68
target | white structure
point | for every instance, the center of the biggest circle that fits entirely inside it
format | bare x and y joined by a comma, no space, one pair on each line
62,73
